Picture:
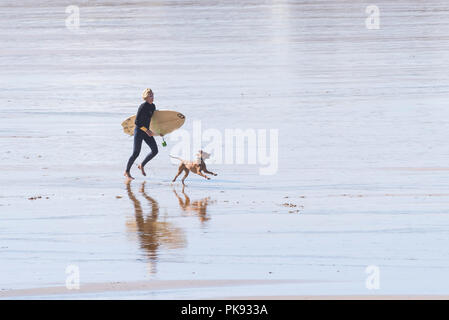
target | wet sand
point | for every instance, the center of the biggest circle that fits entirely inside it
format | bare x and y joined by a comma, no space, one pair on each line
151,289
362,179
124,288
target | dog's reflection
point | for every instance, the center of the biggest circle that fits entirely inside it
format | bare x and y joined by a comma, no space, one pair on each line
153,234
197,207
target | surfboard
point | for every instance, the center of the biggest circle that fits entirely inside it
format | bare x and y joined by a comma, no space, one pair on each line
162,122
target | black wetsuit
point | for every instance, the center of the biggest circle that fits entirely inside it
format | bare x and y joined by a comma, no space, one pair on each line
143,119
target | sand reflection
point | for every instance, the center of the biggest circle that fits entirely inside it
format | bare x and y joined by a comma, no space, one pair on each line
153,234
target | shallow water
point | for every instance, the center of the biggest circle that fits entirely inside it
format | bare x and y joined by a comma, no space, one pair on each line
362,122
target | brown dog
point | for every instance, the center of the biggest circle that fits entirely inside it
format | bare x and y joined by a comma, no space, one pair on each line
197,166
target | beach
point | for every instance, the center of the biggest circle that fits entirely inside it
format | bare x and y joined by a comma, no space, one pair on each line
361,157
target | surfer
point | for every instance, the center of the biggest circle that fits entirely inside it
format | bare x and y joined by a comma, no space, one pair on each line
143,132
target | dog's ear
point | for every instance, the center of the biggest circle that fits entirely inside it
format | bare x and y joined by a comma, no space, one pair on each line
205,155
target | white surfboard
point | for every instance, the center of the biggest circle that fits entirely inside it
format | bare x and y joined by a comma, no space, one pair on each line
162,122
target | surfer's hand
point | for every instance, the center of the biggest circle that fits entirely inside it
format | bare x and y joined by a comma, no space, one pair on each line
150,133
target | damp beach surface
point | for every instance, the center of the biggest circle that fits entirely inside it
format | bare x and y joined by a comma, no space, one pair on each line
362,164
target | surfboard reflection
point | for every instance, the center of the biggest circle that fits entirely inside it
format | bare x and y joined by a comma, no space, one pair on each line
197,207
152,233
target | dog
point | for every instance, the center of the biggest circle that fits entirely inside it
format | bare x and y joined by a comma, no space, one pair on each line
197,166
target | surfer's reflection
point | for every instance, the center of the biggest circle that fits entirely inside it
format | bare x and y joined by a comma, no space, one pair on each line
198,207
153,234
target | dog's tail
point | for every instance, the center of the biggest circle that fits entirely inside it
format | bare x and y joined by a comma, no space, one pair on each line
176,157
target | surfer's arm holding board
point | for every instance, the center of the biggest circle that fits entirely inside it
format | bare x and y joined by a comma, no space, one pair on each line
143,117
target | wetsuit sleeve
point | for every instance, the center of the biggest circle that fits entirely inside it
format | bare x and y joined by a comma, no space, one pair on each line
142,115
150,115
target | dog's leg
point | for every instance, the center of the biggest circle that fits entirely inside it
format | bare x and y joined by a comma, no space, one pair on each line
209,172
185,175
204,168
203,175
181,167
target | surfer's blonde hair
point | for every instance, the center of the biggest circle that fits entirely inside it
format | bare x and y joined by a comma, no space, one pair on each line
146,93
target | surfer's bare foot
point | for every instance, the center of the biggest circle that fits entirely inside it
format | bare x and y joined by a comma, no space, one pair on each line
128,176
142,169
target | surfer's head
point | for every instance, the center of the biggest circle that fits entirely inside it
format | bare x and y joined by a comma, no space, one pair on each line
148,95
